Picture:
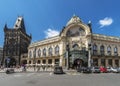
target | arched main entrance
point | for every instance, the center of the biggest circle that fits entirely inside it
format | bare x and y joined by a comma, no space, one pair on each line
11,62
78,63
24,62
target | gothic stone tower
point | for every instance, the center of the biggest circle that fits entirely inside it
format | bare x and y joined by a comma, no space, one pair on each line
16,42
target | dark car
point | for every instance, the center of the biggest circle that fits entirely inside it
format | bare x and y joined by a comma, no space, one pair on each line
9,70
58,70
87,70
80,69
84,70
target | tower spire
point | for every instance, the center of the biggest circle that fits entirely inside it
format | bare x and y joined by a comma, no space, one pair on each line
19,24
5,27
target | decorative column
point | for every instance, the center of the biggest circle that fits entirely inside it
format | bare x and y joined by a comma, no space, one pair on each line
34,60
89,55
67,55
113,62
106,62
99,62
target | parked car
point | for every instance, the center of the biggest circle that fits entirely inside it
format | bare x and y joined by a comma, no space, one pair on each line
95,69
103,69
58,70
80,69
10,70
118,70
111,69
87,70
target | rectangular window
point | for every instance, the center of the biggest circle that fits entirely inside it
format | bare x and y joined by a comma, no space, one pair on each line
94,52
44,61
49,61
95,62
110,62
103,62
57,61
117,63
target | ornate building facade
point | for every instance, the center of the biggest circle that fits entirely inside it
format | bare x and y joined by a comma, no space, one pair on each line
76,44
16,42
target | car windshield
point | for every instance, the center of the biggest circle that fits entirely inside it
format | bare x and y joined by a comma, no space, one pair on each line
96,67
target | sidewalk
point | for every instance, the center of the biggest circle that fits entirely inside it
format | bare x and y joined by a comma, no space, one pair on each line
31,70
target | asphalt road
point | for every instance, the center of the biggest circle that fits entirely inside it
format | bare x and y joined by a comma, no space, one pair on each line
49,79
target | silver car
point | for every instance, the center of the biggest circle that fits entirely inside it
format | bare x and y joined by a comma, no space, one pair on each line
111,69
95,69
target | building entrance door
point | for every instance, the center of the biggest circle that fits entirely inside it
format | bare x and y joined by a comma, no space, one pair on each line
78,63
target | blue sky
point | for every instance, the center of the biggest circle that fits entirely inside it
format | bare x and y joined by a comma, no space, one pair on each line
45,18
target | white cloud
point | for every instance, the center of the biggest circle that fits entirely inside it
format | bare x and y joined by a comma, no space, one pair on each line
105,22
51,32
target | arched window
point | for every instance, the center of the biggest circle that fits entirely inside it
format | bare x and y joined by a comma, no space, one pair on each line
34,53
109,50
102,50
94,49
44,52
50,51
29,62
75,47
73,32
38,61
57,50
115,51
30,54
39,52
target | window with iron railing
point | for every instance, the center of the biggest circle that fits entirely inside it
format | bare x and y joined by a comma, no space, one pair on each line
94,49
39,52
57,50
50,50
44,52
102,50
109,50
115,51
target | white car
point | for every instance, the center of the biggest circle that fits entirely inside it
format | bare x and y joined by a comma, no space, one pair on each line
118,70
111,69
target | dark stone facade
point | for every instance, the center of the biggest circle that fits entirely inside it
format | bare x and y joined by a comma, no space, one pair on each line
16,42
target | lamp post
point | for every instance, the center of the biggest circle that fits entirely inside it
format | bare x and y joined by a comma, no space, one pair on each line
89,55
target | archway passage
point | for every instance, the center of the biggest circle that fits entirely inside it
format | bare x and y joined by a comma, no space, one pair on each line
11,62
24,62
78,63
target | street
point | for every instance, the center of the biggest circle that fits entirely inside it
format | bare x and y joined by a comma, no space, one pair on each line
49,79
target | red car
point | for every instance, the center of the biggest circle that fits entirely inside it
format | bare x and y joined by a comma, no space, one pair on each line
103,69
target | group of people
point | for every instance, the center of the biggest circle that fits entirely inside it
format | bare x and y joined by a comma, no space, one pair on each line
25,67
